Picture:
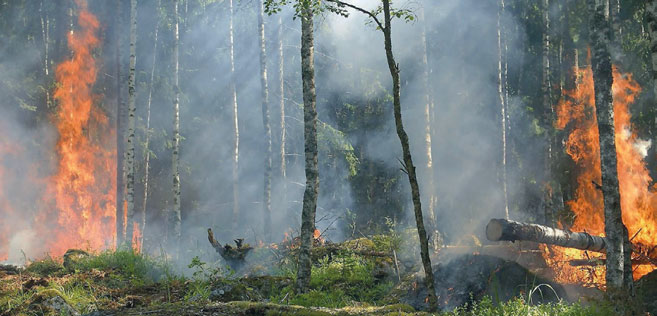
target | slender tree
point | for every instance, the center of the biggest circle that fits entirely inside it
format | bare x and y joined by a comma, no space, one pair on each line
120,131
147,136
130,149
409,167
176,129
266,201
651,21
408,160
619,269
428,108
281,100
236,130
501,87
310,139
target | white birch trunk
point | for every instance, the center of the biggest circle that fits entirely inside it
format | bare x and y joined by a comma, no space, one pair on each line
130,149
176,130
266,201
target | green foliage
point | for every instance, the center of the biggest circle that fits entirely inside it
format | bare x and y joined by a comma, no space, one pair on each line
44,267
339,282
520,307
126,265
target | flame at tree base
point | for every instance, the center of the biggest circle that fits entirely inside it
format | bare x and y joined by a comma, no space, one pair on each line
576,110
74,205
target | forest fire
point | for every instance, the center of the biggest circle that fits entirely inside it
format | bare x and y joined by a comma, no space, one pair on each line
84,185
638,198
77,206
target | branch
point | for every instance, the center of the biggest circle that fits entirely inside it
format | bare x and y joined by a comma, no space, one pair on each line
371,15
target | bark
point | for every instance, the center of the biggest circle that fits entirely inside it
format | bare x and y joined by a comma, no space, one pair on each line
130,149
651,21
501,229
619,269
501,70
266,201
430,190
614,16
120,133
147,138
310,147
281,95
569,53
408,161
236,133
45,35
176,129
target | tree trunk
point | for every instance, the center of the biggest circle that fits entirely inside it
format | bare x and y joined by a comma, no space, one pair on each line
176,130
45,35
651,21
120,133
236,134
266,201
310,140
503,106
130,150
619,268
408,161
430,191
501,229
147,136
281,95
614,16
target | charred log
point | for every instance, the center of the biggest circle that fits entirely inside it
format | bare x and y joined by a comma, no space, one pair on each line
501,229
233,255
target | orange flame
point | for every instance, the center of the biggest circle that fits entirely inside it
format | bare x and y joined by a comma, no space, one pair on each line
316,234
638,199
84,185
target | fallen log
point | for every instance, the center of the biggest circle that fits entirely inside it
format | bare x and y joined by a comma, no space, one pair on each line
502,229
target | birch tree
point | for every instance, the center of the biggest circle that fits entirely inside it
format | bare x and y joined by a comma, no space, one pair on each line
428,109
176,129
501,66
618,263
236,130
120,131
147,134
266,201
281,100
130,150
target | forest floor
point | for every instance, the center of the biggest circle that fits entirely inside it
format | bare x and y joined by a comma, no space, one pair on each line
350,278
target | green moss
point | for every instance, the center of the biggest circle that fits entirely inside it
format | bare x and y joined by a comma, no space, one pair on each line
44,267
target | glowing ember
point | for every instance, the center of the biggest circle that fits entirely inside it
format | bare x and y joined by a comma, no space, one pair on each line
80,196
638,199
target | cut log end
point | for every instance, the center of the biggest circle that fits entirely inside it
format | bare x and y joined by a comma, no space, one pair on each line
494,230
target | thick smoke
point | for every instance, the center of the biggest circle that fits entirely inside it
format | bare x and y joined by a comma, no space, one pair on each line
351,67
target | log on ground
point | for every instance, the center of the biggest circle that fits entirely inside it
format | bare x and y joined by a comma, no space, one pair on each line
501,229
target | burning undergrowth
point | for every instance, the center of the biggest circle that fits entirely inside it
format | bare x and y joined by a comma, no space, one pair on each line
576,113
